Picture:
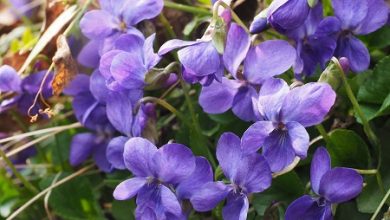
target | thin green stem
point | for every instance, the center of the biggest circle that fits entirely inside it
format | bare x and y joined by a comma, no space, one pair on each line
323,133
380,205
26,183
78,17
367,172
186,8
167,26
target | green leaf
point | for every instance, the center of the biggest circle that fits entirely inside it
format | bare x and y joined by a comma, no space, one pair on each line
348,149
349,210
376,87
122,210
284,189
74,200
379,39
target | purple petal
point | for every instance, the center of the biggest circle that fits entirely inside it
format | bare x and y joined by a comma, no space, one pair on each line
138,156
173,163
81,148
218,97
98,24
340,185
306,207
229,154
129,188
356,52
80,84
236,208
209,196
128,69
169,201
244,103
320,164
202,174
268,59
278,150
131,43
259,24
376,17
106,61
289,15
175,44
97,86
237,46
137,11
255,135
150,58
255,173
299,138
115,151
89,54
9,79
100,157
120,112
308,104
350,12
271,96
202,58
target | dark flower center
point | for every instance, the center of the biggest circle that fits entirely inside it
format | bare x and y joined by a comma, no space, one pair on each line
321,202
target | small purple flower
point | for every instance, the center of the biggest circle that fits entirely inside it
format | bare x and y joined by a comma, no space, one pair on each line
285,113
261,62
200,60
330,186
118,16
24,90
358,18
316,41
125,67
283,15
10,81
247,173
156,172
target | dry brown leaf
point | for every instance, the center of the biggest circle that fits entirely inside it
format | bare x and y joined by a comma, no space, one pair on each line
65,66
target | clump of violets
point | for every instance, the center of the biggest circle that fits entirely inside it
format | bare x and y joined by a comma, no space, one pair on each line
261,62
284,113
330,186
156,174
358,18
247,173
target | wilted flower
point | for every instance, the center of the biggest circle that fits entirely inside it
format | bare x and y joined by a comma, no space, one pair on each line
247,173
330,186
261,62
285,113
358,18
156,172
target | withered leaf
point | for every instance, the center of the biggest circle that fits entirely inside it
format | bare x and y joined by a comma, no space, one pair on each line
65,66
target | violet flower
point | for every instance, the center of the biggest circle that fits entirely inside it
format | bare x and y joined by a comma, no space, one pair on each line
285,113
156,172
358,18
316,41
330,186
125,67
118,16
261,62
283,15
104,112
22,91
247,173
200,60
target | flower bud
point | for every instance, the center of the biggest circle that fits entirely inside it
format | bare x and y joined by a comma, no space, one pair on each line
259,23
332,74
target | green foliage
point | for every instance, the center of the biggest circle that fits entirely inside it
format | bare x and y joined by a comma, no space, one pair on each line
71,203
